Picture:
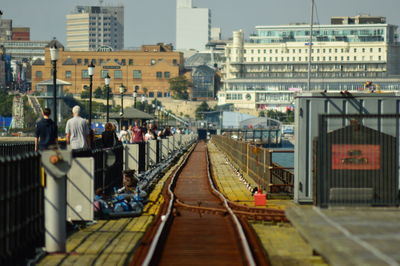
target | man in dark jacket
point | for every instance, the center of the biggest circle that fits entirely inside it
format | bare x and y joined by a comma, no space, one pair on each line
46,132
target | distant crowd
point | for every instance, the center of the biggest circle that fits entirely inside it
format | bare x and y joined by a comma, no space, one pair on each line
79,135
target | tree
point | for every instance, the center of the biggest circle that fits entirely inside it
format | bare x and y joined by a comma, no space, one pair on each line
85,92
179,87
98,93
203,107
261,114
6,104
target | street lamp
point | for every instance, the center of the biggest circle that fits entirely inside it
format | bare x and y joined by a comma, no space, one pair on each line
135,95
122,91
54,55
91,73
107,80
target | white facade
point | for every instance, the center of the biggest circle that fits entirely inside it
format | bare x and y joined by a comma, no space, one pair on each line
263,73
91,27
193,26
215,34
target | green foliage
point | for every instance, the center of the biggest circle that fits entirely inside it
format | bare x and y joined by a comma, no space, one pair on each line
287,117
6,104
30,117
179,87
98,93
203,107
104,93
261,114
85,92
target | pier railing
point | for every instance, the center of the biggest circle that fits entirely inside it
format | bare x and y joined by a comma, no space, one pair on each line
104,177
21,207
257,163
13,148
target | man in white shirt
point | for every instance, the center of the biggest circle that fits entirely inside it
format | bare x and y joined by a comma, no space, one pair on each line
77,130
124,135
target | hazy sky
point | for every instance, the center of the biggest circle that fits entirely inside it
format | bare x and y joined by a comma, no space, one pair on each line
152,21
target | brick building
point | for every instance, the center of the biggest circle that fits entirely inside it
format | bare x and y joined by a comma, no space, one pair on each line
149,68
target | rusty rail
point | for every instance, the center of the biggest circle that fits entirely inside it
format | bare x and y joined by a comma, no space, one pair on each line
201,226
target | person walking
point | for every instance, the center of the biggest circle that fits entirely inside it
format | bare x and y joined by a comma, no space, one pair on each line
137,133
46,132
123,135
77,130
109,137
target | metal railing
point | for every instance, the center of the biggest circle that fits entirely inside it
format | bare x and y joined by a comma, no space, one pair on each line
104,177
13,148
257,163
357,160
21,207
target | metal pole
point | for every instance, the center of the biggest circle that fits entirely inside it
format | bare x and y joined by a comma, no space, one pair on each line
54,62
310,47
134,101
90,100
108,98
122,110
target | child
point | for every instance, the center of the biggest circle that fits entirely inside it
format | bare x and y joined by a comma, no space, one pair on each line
129,182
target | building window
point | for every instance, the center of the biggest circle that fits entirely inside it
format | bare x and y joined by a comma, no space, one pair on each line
174,62
159,94
371,50
38,74
379,49
85,74
137,74
86,61
252,51
104,73
68,74
259,51
363,50
355,58
123,62
79,61
151,94
167,75
130,62
355,50
159,75
379,57
118,74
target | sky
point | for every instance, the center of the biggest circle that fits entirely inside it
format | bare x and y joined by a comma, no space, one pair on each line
153,21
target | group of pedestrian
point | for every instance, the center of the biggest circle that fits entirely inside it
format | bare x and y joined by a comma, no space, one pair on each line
142,133
80,136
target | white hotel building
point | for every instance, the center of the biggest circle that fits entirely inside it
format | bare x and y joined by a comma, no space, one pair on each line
264,72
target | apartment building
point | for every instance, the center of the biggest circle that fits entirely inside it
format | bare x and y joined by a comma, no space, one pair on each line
91,27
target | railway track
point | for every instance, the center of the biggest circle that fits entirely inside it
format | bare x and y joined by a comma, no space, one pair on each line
198,226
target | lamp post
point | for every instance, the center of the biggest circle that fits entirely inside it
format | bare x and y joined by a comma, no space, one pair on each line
107,80
135,95
54,54
91,73
121,91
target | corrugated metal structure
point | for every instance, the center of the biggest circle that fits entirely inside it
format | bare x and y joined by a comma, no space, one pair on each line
312,104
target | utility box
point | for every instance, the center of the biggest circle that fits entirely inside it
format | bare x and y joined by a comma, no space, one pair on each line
356,164
309,105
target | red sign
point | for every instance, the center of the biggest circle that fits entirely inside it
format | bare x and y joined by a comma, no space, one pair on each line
356,157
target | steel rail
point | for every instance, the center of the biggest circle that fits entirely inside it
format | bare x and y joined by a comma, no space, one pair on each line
164,218
243,239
